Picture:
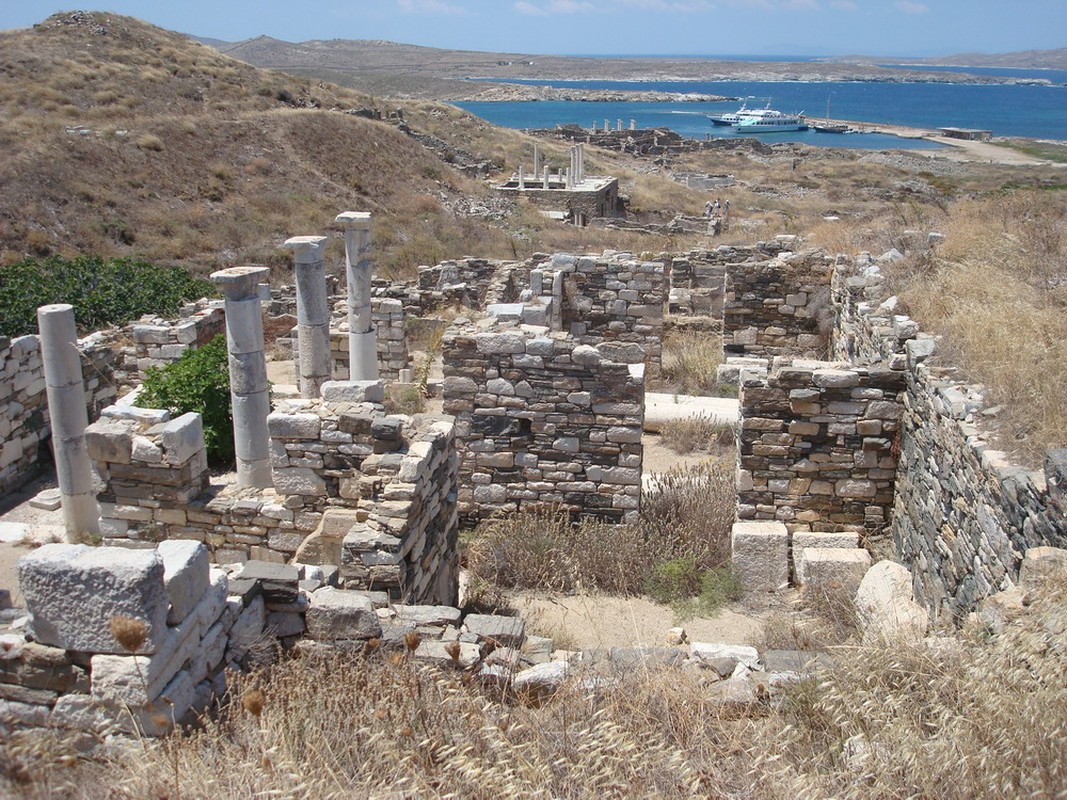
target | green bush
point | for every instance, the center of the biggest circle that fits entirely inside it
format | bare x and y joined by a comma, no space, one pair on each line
692,592
198,381
102,292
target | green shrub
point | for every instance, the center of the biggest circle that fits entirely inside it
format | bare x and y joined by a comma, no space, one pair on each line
102,292
690,591
673,581
199,381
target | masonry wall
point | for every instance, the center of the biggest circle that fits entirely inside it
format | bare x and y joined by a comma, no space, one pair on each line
816,445
543,421
964,513
778,307
614,301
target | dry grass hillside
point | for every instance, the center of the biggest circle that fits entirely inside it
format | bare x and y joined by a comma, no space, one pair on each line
121,138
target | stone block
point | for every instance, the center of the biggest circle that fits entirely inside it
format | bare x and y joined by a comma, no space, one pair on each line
182,438
760,553
185,574
302,481
1043,565
709,652
506,631
885,605
294,426
437,616
337,615
466,654
353,391
277,582
74,591
828,569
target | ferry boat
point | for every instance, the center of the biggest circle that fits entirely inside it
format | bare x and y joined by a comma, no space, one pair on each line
730,117
768,120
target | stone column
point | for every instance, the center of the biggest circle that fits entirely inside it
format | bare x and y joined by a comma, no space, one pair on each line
618,124
312,314
607,125
66,408
633,124
249,389
522,178
362,339
545,184
581,163
537,160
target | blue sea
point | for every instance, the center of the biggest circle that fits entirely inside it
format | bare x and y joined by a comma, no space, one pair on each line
1032,111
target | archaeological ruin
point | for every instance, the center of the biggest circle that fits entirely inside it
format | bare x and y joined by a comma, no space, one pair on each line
341,522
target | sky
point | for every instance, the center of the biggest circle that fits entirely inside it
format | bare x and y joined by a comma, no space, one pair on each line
612,27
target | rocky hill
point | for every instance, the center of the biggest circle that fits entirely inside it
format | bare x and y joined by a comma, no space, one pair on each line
122,138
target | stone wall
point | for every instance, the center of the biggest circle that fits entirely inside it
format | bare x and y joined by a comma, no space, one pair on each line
125,641
158,342
390,338
616,300
543,420
778,307
816,445
340,466
964,514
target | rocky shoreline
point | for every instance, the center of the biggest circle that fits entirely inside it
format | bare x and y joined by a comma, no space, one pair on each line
516,92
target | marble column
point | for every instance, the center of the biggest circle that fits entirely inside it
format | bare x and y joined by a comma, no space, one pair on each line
546,179
249,388
362,339
65,388
581,162
312,314
537,160
522,178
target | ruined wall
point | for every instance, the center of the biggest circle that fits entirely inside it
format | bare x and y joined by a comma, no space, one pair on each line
390,337
778,307
542,420
964,514
614,300
579,203
816,445
394,476
185,626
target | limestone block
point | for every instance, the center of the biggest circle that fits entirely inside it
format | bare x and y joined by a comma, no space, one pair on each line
711,651
506,631
437,616
353,391
182,438
185,574
109,440
284,623
213,603
299,481
541,678
835,378
138,680
294,426
1042,565
885,605
435,652
760,553
73,592
337,615
247,629
832,568
500,343
585,355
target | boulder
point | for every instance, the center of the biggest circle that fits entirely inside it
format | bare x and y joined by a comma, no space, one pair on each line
885,605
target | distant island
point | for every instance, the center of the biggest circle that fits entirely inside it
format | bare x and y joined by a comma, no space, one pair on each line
390,69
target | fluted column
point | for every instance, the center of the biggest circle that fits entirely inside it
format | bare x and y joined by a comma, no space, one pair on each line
65,388
362,338
249,388
312,313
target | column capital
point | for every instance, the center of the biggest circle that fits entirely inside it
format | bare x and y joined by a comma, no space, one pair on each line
354,220
237,283
307,249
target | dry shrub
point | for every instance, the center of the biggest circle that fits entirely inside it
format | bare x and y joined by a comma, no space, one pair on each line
689,361
685,514
699,433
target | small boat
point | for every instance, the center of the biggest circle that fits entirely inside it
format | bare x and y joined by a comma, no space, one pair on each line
768,120
831,127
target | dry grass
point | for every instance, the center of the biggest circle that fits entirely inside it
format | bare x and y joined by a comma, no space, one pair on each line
700,434
689,362
685,514
976,716
997,291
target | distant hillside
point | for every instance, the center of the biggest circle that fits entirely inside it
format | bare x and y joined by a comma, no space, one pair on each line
122,138
1026,59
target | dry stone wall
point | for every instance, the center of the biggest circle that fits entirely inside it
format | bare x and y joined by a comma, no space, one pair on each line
816,445
543,420
778,307
964,514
